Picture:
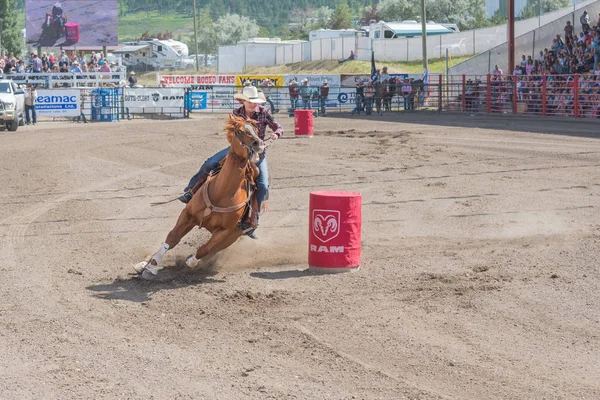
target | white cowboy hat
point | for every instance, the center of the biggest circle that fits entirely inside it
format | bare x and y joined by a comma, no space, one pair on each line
249,94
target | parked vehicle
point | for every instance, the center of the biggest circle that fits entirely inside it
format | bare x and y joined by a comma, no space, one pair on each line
13,101
153,54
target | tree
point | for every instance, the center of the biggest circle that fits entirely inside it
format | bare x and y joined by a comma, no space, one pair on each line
369,13
341,17
12,40
232,28
398,10
498,18
535,7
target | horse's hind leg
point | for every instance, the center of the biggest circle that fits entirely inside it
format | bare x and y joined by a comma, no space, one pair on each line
220,239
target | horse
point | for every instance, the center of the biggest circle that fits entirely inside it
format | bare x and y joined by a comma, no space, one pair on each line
53,28
389,95
220,203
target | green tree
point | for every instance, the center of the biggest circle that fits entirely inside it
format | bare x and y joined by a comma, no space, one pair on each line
341,17
398,10
232,28
535,7
12,40
498,18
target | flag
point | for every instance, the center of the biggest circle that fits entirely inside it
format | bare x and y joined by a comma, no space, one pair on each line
426,90
373,69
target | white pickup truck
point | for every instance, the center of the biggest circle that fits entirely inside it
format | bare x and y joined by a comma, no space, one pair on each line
13,99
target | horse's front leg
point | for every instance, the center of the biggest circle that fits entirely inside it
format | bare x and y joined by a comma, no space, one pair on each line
220,239
185,223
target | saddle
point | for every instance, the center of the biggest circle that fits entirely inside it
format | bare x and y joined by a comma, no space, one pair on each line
249,218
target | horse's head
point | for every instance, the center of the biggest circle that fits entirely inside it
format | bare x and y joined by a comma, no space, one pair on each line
242,135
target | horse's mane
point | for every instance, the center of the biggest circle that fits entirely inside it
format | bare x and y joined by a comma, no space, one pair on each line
235,123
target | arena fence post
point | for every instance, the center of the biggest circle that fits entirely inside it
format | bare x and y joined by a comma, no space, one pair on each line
576,96
488,94
514,96
440,92
464,94
544,96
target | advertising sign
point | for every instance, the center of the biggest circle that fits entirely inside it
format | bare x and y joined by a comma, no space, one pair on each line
57,103
198,82
257,80
197,100
52,23
155,100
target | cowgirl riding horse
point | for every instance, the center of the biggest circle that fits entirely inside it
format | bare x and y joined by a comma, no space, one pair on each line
251,109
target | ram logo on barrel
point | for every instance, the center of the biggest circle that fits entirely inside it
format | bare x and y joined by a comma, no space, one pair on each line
326,224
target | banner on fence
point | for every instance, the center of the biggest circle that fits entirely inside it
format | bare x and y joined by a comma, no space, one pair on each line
57,103
156,100
197,100
198,82
257,80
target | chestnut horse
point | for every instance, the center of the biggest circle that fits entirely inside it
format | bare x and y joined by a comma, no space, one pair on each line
220,203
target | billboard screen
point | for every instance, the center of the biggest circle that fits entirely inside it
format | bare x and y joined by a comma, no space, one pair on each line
52,23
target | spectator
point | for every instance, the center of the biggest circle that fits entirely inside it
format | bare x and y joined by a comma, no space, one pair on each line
369,95
30,96
323,97
568,29
132,79
359,97
384,77
497,72
585,21
293,92
305,94
267,87
406,91
350,57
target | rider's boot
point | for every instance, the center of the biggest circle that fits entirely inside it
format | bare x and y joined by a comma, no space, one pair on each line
188,194
250,224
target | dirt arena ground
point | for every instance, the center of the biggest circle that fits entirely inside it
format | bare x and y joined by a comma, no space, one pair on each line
479,276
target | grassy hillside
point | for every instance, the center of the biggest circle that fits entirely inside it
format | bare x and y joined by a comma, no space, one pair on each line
133,25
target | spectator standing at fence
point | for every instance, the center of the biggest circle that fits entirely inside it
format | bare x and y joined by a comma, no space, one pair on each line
359,97
406,90
369,96
497,72
267,87
323,96
305,94
293,92
30,96
384,77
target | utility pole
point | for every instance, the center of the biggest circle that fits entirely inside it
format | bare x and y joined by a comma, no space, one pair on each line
511,36
424,33
196,37
1,30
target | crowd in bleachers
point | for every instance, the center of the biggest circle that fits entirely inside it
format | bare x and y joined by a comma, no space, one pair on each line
574,52
63,62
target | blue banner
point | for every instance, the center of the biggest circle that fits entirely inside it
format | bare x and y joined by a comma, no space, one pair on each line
197,100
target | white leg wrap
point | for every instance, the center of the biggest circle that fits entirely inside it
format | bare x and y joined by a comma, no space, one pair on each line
158,256
192,261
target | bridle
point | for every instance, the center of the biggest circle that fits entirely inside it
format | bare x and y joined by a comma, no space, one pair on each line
251,152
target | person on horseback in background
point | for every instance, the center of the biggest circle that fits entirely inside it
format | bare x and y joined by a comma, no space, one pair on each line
251,109
57,15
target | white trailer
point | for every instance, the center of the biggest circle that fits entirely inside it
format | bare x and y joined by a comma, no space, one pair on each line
153,54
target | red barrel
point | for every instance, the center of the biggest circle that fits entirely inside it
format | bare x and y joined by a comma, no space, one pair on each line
303,122
334,231
72,32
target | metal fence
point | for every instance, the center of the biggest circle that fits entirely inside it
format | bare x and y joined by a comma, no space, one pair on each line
545,95
69,79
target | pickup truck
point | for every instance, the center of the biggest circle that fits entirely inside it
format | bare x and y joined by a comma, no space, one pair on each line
13,100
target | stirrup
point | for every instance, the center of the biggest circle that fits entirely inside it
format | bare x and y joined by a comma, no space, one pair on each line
186,197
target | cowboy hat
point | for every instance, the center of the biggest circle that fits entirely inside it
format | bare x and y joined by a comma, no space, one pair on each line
249,94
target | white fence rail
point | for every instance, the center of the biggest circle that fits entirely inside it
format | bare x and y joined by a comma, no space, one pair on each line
69,79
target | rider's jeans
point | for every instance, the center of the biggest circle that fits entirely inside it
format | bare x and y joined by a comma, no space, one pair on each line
262,182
